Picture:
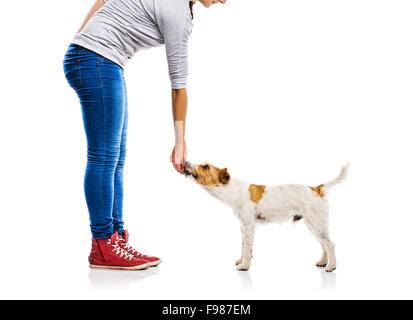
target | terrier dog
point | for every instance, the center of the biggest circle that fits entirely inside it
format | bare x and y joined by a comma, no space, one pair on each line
253,204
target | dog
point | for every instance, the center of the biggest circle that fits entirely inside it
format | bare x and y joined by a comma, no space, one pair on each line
254,204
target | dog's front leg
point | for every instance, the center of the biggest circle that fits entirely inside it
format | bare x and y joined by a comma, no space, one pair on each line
238,261
248,232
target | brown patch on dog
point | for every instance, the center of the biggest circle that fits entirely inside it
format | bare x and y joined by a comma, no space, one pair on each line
256,192
319,190
260,217
209,175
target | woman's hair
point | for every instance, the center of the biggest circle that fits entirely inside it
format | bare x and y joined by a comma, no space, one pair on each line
191,4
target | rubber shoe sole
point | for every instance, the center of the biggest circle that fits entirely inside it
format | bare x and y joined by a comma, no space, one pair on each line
154,263
140,267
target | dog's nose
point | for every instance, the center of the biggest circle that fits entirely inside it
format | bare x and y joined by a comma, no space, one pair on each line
187,168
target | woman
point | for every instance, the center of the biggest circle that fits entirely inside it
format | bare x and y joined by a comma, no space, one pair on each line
110,35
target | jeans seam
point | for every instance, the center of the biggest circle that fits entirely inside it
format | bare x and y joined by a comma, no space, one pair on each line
116,214
120,154
104,117
103,105
116,207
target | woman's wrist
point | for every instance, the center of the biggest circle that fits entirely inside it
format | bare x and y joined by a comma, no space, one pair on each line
179,142
179,128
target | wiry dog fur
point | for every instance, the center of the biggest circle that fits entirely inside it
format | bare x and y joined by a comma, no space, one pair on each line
261,204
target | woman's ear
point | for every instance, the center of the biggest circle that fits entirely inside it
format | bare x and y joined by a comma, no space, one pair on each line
224,176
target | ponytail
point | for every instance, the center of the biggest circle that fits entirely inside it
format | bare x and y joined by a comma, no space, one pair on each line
191,4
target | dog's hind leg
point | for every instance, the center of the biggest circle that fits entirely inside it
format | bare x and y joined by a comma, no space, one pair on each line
318,225
248,232
331,255
324,260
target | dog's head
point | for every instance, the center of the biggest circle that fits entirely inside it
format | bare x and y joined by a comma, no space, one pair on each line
206,174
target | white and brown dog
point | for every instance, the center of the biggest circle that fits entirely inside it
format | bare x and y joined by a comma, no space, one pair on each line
261,204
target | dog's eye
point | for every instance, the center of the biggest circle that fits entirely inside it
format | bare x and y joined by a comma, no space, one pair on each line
206,167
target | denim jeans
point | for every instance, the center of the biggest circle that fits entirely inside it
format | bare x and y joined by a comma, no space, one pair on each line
100,86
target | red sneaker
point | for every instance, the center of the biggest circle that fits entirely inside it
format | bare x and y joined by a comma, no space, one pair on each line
123,243
107,254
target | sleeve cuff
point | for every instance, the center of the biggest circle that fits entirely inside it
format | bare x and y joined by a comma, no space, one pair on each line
178,84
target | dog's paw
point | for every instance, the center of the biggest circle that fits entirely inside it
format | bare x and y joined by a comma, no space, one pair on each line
330,268
322,263
238,261
243,267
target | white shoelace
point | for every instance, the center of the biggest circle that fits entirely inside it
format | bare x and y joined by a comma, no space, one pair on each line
121,252
129,248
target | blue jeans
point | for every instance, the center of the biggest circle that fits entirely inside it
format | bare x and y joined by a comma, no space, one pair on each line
101,88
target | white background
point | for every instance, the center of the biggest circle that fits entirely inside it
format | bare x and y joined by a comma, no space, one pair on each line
279,92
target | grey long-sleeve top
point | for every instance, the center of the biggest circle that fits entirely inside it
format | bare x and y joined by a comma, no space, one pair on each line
120,28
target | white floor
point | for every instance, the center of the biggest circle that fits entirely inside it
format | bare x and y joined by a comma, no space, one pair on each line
266,280
281,269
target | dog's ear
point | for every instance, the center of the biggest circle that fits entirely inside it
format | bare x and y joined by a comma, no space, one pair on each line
224,176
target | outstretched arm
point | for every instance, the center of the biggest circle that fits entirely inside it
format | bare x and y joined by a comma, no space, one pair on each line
96,6
174,21
179,106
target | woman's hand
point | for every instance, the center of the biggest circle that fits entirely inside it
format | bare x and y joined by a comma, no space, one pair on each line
96,6
178,157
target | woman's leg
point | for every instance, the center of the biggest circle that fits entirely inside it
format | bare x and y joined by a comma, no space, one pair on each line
118,200
100,88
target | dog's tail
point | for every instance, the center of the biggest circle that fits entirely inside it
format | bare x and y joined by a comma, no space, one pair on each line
343,174
322,189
